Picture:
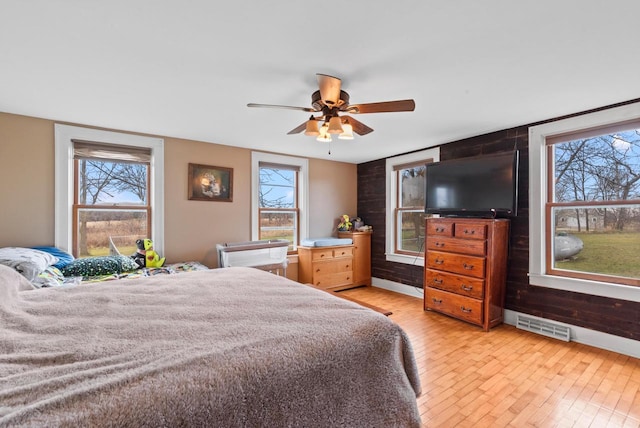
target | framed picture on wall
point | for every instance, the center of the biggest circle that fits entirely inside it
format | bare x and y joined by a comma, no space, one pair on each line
210,183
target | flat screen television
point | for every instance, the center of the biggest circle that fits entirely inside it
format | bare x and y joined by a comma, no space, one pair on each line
483,186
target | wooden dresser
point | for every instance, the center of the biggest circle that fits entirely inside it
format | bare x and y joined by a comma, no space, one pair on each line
361,256
466,268
326,267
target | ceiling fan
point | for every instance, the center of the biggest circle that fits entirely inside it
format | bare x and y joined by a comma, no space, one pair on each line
331,101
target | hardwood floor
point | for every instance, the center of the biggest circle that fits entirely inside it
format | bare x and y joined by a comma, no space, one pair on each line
509,377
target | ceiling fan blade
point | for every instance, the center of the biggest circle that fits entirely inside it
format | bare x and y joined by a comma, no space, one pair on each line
358,127
298,129
307,109
329,89
382,107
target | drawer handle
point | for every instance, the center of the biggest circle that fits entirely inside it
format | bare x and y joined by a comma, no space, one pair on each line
321,255
439,261
440,244
436,301
437,281
439,229
466,287
469,232
465,310
467,267
318,270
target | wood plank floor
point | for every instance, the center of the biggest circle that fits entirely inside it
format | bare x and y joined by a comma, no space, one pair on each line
509,377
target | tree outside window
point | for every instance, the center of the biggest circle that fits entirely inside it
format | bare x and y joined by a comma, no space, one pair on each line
111,206
410,216
278,203
595,200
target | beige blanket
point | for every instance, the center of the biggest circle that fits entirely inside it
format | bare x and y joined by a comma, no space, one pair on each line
220,348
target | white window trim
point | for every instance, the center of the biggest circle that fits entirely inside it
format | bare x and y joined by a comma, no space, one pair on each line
303,189
391,196
64,136
537,198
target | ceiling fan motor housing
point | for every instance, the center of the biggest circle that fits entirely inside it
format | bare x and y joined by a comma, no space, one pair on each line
318,103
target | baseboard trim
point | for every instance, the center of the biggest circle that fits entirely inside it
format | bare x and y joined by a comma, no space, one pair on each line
585,336
581,335
397,287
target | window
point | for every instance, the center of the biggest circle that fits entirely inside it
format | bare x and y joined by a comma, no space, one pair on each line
585,203
279,193
405,206
409,215
107,184
111,198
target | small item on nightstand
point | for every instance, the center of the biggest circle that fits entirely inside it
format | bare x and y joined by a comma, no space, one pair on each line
357,223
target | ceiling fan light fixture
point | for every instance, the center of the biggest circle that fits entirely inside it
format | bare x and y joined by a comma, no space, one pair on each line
335,126
312,127
347,132
324,136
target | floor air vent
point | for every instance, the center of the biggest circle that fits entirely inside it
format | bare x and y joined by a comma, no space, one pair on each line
545,328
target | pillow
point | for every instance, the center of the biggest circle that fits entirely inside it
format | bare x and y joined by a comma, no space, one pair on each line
51,277
64,258
29,262
103,265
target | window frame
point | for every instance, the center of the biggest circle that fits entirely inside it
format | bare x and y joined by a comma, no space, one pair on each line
392,198
399,209
302,187
65,180
539,182
78,207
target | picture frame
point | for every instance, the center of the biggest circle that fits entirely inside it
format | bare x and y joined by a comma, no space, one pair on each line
210,183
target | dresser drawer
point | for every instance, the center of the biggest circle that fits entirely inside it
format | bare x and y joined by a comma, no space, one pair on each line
462,246
322,255
332,266
330,253
470,231
333,279
465,308
343,252
456,263
463,285
439,228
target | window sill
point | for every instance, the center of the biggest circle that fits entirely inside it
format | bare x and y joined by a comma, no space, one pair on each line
406,259
604,289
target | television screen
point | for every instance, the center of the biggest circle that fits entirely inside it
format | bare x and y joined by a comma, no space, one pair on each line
484,186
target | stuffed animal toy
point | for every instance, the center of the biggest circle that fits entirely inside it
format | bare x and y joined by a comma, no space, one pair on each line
145,256
139,256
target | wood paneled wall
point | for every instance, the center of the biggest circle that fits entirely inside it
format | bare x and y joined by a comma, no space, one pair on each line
613,316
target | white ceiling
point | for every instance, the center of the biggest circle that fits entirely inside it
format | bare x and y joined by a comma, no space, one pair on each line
188,69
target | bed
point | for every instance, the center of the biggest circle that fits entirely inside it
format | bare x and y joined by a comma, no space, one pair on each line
218,348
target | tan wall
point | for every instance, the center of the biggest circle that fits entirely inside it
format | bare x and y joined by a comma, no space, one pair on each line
192,228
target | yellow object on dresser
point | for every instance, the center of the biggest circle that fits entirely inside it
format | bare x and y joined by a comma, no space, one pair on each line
466,268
